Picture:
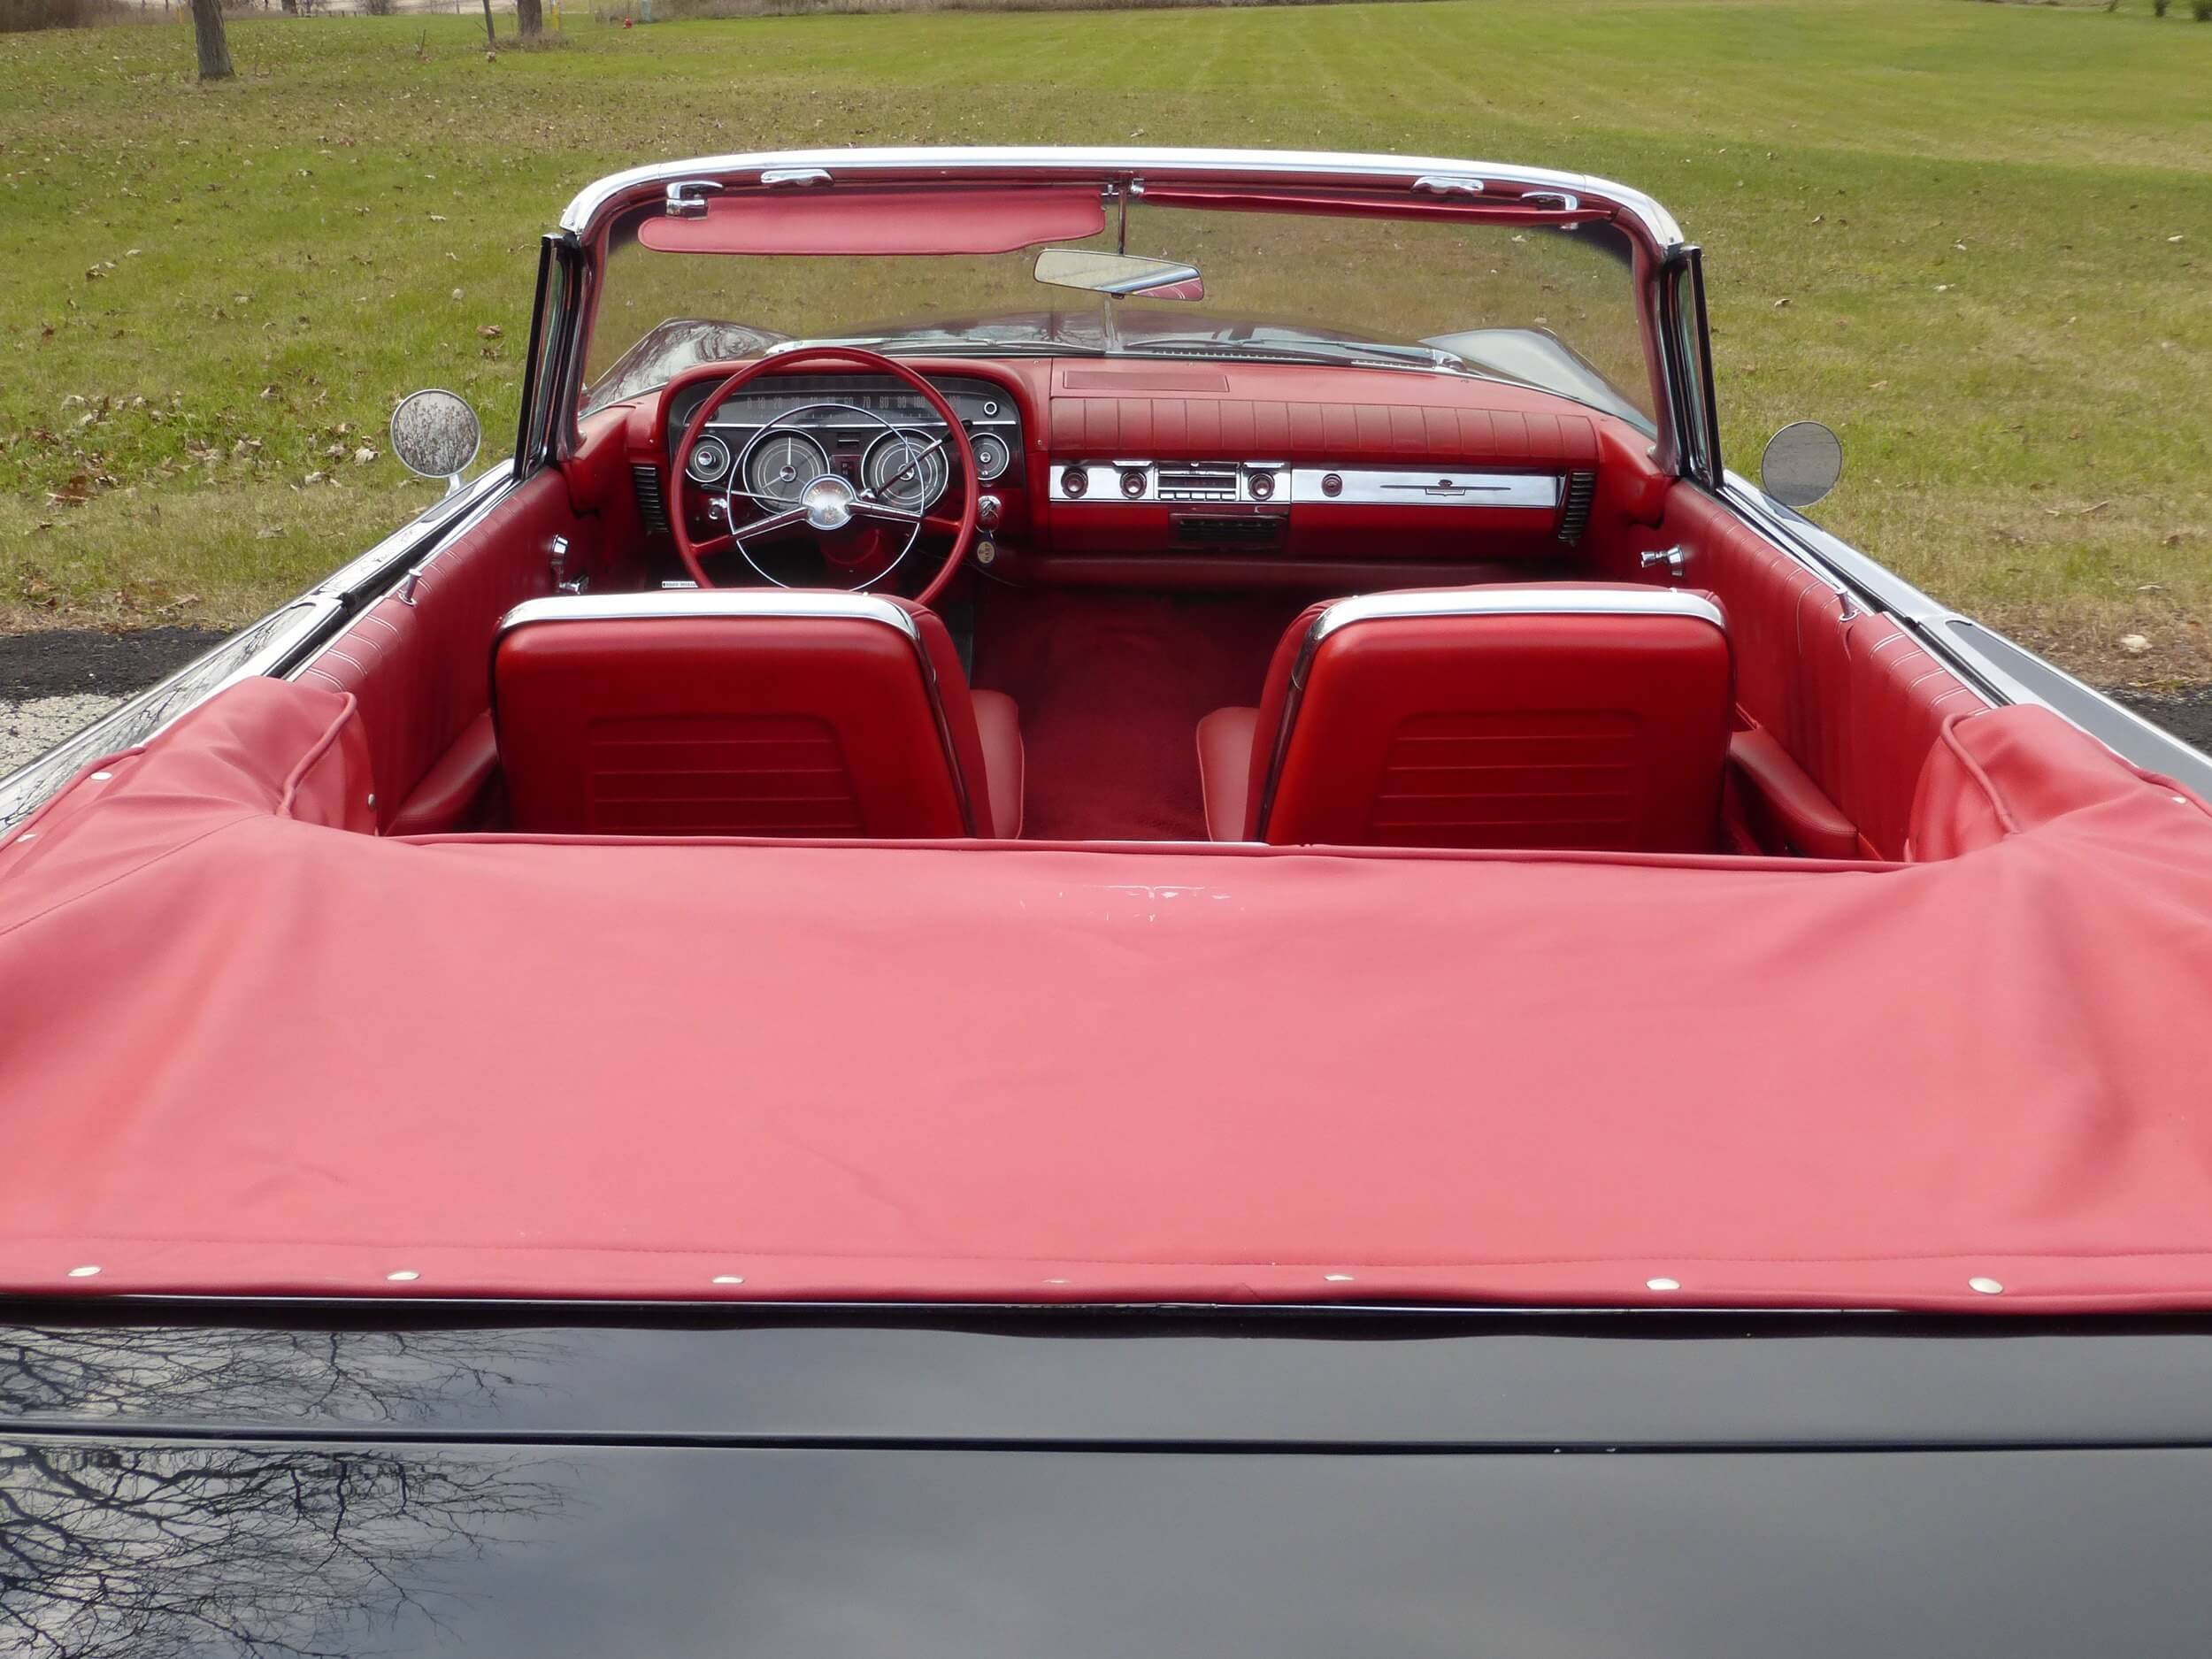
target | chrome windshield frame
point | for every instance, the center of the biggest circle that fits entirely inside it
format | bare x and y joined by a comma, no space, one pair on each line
591,209
1655,238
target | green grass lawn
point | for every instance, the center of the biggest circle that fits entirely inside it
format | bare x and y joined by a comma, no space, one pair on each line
1975,239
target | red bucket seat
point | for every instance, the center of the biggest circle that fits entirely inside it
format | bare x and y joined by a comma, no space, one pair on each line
1571,715
747,712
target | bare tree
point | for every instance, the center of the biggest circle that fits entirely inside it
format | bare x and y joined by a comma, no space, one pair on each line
529,19
207,32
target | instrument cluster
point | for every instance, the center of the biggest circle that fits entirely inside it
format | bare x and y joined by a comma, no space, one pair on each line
772,439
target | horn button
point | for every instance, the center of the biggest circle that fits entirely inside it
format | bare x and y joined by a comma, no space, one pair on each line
828,502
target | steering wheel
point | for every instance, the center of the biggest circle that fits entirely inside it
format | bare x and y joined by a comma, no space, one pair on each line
828,504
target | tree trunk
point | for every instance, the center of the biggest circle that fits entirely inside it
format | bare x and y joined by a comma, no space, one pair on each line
291,7
207,33
529,19
491,35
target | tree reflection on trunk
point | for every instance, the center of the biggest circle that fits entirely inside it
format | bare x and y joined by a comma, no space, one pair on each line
157,1549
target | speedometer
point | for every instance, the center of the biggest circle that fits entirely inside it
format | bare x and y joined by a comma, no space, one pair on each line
780,464
906,469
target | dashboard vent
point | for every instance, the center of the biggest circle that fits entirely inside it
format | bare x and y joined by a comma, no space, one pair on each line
652,506
1574,517
1194,529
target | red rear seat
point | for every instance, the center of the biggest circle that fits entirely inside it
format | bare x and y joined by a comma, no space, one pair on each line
1581,716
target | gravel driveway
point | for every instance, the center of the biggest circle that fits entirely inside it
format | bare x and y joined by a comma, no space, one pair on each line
55,683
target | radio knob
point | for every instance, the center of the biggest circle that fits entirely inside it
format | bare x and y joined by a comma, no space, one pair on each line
1331,484
1132,485
1073,482
1262,487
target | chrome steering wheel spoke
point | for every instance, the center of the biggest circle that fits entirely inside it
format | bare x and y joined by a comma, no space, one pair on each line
864,506
769,525
825,503
855,508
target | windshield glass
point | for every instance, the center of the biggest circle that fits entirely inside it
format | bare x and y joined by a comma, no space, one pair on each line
1550,307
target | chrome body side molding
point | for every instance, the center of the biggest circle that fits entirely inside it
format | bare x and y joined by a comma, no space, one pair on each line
1996,669
280,643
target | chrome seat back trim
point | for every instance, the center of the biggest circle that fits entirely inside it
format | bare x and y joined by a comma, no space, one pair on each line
713,602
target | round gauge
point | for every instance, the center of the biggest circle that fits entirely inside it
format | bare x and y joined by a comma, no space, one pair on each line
992,457
709,459
906,469
780,464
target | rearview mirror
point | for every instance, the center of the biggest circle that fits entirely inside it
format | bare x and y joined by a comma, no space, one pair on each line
1123,274
1801,464
435,434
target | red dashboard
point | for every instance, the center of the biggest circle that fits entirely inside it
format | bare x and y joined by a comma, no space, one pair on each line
1124,471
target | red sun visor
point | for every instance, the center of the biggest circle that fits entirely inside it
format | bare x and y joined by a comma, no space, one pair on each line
915,222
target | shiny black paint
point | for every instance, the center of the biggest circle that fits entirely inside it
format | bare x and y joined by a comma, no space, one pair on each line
590,1552
1032,1376
981,1485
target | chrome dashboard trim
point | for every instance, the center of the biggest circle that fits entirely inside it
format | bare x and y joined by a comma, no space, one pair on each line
586,212
1423,486
685,603
1500,601
1104,484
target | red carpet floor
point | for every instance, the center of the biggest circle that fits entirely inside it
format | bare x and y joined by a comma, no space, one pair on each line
1111,687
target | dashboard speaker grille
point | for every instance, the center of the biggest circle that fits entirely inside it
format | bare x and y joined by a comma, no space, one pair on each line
652,504
1574,514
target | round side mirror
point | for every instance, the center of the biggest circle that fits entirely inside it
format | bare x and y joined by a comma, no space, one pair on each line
1801,464
435,434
